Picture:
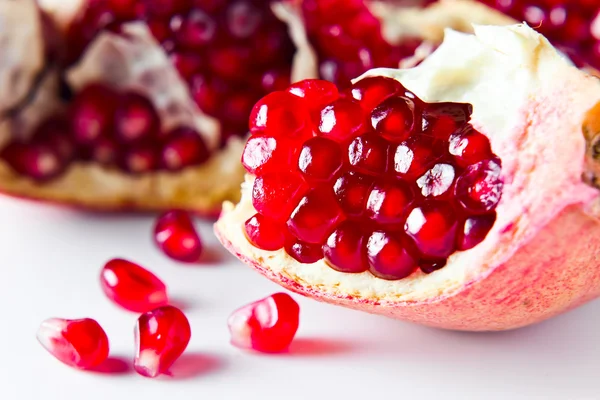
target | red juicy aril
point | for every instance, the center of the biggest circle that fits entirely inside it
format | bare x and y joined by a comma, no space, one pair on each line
231,53
121,130
348,39
573,26
371,178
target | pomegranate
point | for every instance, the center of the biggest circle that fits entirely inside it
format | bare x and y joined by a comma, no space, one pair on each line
78,343
267,325
161,336
451,208
176,236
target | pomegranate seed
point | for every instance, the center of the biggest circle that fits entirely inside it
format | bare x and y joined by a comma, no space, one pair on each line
194,30
352,191
268,325
80,343
264,153
305,253
345,249
106,152
370,92
437,181
276,195
55,133
369,154
320,159
131,286
275,80
443,119
175,235
243,19
92,114
161,336
183,147
479,188
317,93
279,112
415,156
469,147
135,119
265,233
140,160
475,230
341,120
389,257
315,217
432,226
187,63
431,266
388,202
394,119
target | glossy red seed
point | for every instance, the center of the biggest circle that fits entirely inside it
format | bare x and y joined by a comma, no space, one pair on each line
140,160
479,188
320,159
135,119
388,202
475,230
265,153
267,325
279,114
342,120
80,343
469,147
315,217
389,257
277,195
265,233
39,162
243,19
441,120
352,191
183,147
433,228
131,286
437,181
369,154
395,119
175,235
415,156
345,249
305,253
372,91
92,113
317,93
161,336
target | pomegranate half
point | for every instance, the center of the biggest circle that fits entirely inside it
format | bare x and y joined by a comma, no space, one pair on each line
540,256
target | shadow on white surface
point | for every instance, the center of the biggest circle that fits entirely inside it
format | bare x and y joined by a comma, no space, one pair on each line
193,365
114,366
320,347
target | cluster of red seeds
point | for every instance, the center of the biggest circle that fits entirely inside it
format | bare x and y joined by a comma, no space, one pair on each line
348,39
231,53
571,25
162,332
113,129
371,178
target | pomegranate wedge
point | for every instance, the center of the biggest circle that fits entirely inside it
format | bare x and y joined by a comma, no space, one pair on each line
464,200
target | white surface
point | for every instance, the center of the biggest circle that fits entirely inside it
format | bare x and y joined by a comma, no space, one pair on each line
50,260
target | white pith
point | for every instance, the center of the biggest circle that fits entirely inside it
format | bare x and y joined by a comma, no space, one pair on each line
530,102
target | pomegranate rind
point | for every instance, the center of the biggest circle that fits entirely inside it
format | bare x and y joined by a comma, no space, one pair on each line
541,257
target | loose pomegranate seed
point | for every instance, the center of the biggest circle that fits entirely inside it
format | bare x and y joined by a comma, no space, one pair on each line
475,230
315,217
78,343
175,235
320,159
316,93
92,114
183,147
161,336
345,249
276,195
389,257
135,119
479,188
131,286
432,227
265,233
341,120
371,92
268,325
356,212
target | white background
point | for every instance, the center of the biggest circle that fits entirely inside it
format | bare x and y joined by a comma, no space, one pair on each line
50,258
